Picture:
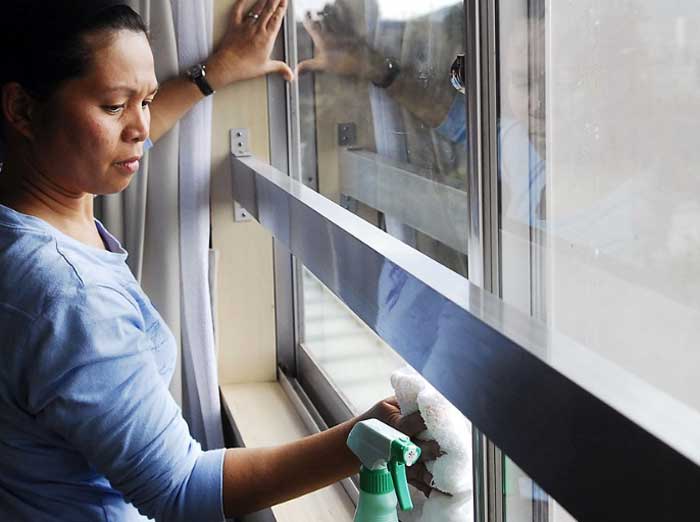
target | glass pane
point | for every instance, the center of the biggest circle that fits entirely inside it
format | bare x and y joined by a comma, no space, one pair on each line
381,127
525,501
599,216
353,357
381,132
359,365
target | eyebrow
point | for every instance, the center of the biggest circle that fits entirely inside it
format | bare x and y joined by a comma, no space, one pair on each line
129,90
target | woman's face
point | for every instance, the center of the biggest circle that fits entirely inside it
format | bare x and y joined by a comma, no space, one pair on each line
90,133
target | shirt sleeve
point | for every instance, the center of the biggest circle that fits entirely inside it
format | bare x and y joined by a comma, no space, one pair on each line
97,386
454,127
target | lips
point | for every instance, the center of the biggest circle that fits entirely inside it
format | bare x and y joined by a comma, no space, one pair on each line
130,165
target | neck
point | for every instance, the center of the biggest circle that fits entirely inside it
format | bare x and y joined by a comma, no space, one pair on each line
24,188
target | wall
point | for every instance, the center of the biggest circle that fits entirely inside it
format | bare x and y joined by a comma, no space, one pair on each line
245,308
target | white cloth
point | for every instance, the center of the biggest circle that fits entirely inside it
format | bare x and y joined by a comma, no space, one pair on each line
452,471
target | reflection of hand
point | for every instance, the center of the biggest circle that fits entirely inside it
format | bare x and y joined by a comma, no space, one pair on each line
244,51
389,413
339,50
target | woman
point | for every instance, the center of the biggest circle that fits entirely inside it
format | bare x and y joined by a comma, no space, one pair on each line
88,430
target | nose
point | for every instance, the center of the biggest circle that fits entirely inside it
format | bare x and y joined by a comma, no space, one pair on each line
138,125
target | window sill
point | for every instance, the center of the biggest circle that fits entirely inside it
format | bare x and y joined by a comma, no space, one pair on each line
278,423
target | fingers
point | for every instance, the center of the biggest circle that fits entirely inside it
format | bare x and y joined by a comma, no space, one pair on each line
331,20
274,23
423,488
393,401
419,476
259,9
412,424
313,27
281,68
429,449
311,65
237,11
267,12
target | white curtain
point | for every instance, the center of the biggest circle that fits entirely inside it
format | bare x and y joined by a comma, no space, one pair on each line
201,403
162,219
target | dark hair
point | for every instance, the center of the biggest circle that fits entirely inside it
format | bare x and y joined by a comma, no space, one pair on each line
43,44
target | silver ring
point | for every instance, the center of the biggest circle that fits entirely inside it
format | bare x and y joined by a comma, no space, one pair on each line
254,16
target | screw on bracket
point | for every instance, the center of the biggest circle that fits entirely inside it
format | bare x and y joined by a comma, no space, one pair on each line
347,134
240,143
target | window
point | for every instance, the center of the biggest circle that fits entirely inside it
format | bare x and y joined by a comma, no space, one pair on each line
391,154
561,182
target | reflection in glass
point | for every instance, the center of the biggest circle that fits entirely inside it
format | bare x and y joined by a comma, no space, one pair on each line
382,69
382,130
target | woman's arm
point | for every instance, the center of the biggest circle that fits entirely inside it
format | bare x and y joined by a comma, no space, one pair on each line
243,53
258,478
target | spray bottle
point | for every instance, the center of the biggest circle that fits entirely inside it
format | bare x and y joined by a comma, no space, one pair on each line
384,453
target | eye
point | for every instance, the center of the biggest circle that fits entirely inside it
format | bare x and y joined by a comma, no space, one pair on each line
146,104
113,109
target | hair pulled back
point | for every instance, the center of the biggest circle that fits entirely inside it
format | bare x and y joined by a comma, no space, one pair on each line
43,44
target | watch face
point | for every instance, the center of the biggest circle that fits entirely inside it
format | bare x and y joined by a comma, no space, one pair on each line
197,74
195,71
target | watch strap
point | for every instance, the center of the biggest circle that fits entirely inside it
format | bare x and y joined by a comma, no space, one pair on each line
198,75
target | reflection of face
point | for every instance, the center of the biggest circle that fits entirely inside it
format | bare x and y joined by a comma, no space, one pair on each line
93,124
524,80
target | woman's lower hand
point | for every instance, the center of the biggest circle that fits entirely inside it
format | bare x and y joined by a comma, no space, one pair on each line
389,413
244,51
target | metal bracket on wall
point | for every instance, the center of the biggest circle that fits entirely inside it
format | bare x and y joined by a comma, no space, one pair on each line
240,148
347,134
349,203
240,142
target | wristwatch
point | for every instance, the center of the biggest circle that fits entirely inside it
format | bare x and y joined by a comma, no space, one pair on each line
391,72
197,74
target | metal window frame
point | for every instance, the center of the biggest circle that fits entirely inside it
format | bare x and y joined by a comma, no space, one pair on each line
484,240
285,134
594,436
283,124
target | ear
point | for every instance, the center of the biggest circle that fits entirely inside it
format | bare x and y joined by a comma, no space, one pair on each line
18,109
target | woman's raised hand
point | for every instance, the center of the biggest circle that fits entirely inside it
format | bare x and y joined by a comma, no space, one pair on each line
244,51
338,48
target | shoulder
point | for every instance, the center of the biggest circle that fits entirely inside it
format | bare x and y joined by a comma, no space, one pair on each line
41,284
80,341
33,271
37,272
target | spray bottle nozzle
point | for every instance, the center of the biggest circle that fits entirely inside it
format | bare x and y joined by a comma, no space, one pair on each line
380,447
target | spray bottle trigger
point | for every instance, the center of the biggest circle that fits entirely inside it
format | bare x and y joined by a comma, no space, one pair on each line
398,475
403,452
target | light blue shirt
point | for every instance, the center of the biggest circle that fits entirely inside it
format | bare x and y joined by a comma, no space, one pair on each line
454,126
88,428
